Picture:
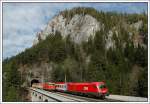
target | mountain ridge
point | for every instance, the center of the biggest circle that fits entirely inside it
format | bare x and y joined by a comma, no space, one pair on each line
83,25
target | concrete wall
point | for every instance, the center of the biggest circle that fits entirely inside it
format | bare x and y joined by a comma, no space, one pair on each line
38,97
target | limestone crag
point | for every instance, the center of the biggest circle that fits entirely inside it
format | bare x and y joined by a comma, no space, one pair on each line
80,27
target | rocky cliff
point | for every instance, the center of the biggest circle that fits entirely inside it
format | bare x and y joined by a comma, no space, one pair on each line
80,27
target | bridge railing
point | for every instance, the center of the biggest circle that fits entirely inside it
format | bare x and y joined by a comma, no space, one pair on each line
42,95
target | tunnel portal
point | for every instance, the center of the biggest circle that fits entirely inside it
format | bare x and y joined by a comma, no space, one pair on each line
34,81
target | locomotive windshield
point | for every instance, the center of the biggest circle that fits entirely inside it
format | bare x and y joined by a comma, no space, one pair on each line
102,86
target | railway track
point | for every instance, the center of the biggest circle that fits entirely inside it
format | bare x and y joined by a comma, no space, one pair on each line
67,97
88,98
43,95
70,97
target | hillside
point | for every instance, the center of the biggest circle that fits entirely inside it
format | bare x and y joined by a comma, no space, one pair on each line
85,45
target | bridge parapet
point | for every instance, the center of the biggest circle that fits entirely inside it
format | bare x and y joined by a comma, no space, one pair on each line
39,95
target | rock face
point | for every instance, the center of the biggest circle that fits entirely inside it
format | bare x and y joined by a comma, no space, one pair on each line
137,25
40,72
80,27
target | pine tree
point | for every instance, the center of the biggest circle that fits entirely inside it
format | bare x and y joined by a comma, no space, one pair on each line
13,81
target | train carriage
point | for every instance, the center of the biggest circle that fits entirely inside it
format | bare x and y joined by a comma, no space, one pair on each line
61,86
37,85
92,88
49,86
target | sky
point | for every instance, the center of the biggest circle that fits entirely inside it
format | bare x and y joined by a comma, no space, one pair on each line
21,21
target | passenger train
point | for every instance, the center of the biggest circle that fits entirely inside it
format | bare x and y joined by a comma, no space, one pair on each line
97,89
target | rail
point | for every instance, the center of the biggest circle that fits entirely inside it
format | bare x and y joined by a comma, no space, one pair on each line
42,95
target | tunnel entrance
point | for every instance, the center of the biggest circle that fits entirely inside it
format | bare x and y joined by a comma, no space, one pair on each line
34,81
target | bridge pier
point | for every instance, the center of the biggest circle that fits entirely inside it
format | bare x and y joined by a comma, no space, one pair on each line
38,97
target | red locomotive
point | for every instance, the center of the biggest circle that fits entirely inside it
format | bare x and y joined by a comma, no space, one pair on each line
89,88
94,88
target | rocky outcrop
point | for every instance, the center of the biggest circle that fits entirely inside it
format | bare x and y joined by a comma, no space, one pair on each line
137,25
80,27
40,72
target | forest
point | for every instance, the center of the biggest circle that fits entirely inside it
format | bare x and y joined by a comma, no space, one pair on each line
123,68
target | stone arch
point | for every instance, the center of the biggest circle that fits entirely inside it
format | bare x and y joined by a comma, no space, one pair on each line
45,100
40,97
